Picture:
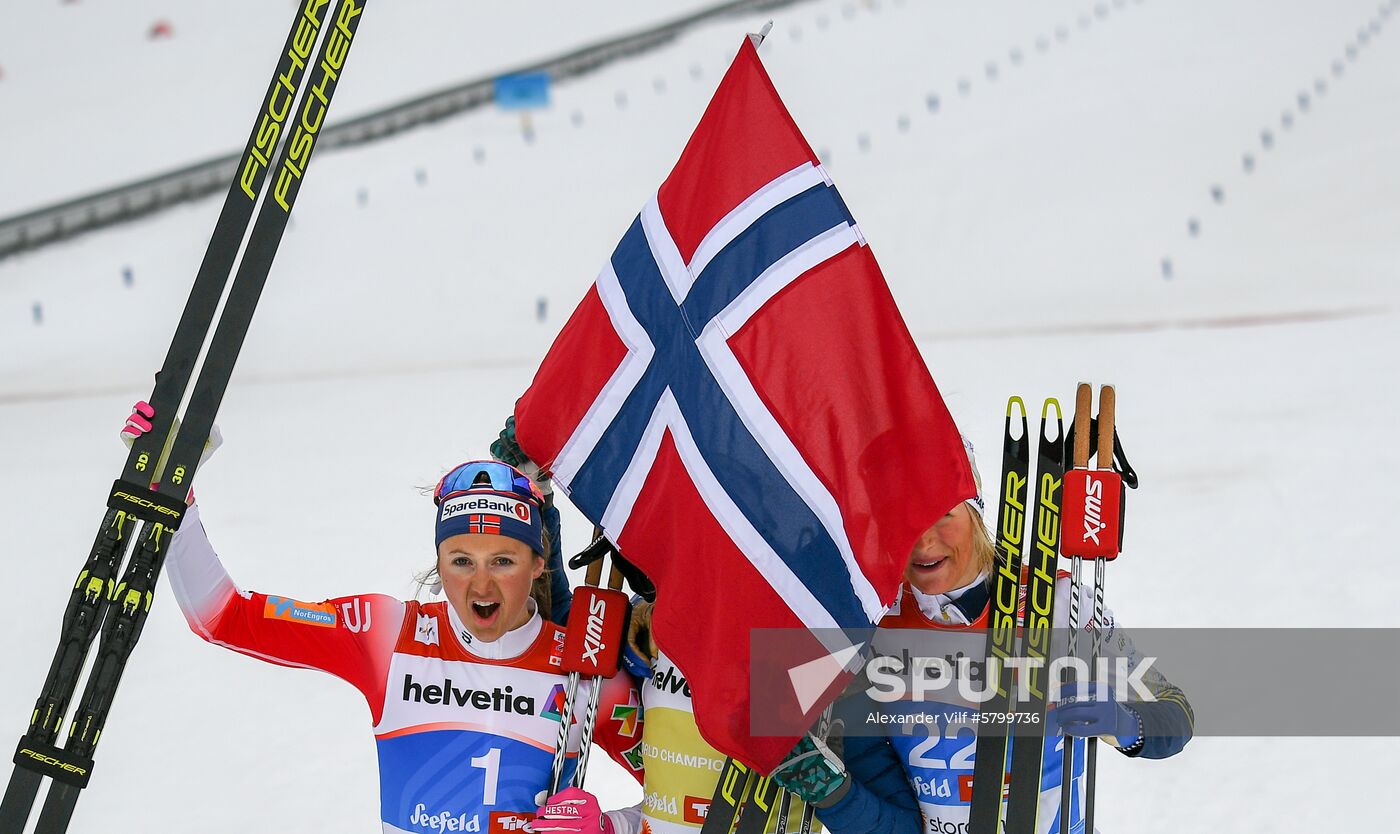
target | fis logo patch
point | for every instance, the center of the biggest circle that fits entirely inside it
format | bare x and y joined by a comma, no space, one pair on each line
306,613
427,630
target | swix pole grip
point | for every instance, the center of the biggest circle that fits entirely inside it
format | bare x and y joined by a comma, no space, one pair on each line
597,628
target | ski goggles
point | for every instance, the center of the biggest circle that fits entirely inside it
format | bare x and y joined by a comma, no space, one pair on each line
502,477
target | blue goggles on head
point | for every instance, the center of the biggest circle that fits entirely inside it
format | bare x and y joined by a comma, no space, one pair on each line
477,473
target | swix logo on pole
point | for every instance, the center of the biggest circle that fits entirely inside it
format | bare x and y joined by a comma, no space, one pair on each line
596,626
593,634
1092,504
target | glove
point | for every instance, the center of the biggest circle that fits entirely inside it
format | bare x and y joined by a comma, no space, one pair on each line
1090,710
139,422
572,810
506,449
640,584
814,771
640,651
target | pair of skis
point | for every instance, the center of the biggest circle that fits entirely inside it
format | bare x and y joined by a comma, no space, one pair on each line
1020,522
1077,513
745,800
147,503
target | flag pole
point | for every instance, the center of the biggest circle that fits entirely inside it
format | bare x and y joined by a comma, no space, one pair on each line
762,33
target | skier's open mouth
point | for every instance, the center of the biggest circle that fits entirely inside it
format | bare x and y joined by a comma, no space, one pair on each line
930,565
485,612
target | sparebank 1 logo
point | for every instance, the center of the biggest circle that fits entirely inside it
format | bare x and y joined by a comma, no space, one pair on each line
628,714
554,704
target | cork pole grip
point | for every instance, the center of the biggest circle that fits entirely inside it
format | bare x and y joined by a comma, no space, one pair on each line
1107,414
1082,403
594,574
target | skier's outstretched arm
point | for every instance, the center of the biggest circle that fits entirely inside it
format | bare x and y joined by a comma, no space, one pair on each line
349,637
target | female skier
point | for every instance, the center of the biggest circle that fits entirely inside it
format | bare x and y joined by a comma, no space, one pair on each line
947,589
464,693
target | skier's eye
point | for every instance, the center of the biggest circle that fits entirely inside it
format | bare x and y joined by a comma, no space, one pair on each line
503,561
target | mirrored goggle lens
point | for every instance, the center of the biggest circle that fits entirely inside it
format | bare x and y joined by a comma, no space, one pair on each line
502,478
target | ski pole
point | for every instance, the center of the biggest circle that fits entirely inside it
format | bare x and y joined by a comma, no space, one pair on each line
606,666
592,646
1108,406
1083,402
591,579
1093,498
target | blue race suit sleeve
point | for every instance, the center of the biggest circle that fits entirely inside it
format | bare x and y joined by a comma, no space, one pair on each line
560,597
1166,726
877,797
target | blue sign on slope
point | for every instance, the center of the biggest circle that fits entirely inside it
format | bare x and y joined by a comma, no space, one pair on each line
526,91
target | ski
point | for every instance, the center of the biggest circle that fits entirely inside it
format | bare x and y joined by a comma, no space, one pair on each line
989,761
735,782
1027,750
784,811
758,809
117,610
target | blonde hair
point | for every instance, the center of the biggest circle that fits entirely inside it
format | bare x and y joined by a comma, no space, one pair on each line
983,550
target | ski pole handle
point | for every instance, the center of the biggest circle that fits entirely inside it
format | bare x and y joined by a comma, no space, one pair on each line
1108,406
1092,497
594,573
1082,403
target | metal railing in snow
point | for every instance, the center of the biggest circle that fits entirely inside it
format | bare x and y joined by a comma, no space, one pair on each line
64,220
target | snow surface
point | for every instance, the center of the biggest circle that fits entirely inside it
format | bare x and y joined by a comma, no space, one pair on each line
1023,226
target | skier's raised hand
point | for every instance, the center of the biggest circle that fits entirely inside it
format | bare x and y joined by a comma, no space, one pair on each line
506,449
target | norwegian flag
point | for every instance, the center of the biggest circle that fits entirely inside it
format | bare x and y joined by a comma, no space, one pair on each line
740,407
484,524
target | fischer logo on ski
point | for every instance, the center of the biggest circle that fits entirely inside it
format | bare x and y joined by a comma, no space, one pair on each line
309,128
270,128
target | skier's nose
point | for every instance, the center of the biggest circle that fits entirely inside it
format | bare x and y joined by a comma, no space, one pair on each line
481,584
